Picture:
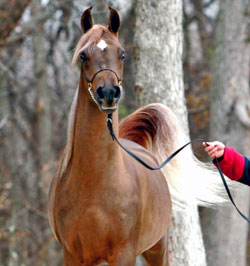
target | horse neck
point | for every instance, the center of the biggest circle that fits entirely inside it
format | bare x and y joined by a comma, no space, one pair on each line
92,141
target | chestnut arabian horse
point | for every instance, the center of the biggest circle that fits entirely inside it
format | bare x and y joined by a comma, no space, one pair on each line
105,207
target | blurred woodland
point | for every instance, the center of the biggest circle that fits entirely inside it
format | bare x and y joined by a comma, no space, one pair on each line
37,84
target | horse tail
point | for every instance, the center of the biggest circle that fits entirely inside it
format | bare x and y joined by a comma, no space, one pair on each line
156,128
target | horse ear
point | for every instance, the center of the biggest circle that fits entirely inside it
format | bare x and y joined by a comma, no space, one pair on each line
114,21
86,20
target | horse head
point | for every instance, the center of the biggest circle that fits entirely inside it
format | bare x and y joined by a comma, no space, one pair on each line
101,59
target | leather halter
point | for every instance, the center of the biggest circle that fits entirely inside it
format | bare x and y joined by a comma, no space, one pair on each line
90,82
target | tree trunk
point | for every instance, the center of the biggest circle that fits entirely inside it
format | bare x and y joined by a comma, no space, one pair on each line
158,55
4,169
159,78
10,14
230,123
42,129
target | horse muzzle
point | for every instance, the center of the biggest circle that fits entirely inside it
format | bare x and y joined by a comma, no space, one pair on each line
108,98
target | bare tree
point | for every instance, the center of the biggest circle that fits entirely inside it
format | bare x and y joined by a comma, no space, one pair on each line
36,88
230,123
27,93
10,14
159,78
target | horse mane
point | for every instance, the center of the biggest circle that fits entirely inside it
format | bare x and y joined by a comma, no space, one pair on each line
89,40
67,153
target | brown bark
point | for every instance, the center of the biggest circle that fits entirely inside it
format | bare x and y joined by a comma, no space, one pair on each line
229,124
201,20
159,78
11,12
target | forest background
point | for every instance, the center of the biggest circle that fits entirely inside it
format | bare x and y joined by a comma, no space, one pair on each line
37,84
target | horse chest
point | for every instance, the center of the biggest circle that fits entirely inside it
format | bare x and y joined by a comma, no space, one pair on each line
98,216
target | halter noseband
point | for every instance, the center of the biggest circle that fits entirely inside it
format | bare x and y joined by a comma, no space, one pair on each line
91,92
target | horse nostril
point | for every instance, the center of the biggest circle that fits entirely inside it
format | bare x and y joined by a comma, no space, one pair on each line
100,94
108,95
117,92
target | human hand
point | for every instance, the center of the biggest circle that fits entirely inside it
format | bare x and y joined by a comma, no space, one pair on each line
214,149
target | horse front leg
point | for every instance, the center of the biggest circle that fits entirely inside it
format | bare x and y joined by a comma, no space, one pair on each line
123,257
69,260
158,254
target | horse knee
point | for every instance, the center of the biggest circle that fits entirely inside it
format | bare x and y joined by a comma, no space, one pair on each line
125,257
158,254
123,261
69,260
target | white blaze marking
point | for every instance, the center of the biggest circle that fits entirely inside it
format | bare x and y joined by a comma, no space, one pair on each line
102,45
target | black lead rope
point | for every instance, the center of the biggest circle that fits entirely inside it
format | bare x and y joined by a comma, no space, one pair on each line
110,127
228,191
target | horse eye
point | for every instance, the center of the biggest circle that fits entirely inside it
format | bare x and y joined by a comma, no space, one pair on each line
123,56
83,57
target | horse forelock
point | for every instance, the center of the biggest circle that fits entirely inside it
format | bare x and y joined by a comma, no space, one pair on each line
90,39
